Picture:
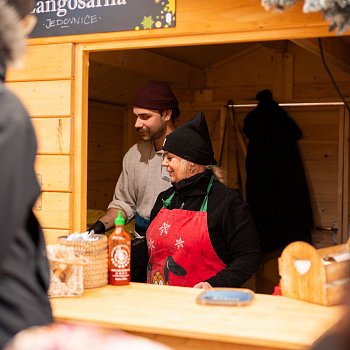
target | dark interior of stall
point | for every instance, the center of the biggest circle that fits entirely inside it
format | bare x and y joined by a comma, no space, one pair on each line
223,81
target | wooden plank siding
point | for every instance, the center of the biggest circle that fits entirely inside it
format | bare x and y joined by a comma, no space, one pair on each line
46,87
105,149
54,135
45,62
45,98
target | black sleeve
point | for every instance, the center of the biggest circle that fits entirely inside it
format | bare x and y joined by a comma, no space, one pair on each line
242,243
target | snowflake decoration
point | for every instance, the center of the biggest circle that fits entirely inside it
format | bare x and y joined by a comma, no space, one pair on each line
179,243
147,22
164,228
151,244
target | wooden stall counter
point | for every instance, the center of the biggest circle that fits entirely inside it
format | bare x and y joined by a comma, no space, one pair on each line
170,315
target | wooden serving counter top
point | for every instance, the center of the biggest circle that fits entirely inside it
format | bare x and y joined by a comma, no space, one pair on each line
170,315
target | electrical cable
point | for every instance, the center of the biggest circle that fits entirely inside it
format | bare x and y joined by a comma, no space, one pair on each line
331,76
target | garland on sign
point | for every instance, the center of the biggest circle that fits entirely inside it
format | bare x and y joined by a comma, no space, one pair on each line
337,12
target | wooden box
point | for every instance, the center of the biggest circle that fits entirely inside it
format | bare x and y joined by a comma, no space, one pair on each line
319,276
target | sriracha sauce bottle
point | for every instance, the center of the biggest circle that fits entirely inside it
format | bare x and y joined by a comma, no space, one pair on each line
119,248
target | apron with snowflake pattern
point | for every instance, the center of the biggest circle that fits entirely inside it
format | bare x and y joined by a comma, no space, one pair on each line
179,246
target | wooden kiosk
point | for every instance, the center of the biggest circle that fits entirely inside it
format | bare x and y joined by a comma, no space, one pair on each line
78,89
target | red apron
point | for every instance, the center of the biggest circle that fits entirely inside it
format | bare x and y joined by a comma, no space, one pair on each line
179,247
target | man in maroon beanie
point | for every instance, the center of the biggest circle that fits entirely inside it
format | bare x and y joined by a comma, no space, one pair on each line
24,270
156,109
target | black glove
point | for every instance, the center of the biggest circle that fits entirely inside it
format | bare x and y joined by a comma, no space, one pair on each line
98,227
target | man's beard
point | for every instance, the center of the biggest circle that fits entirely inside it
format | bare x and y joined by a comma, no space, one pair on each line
148,135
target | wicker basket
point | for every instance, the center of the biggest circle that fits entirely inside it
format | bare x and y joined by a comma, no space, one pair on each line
96,256
66,272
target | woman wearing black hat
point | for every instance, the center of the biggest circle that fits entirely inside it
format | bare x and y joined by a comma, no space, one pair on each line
201,232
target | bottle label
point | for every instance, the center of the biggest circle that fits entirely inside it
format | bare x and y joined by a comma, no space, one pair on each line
120,261
120,256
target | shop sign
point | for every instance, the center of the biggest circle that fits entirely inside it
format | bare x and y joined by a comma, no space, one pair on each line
71,17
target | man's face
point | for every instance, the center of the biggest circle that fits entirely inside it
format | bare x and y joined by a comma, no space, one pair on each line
150,123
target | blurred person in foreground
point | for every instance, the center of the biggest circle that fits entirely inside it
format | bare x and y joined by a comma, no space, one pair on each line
24,271
201,232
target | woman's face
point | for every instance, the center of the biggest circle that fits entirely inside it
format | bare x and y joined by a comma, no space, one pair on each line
176,167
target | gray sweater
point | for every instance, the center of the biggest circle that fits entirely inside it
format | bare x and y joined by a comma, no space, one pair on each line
140,181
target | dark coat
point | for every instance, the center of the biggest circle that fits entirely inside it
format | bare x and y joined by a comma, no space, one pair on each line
24,272
276,185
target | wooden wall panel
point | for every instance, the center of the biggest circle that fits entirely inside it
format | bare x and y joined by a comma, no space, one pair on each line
54,172
105,152
294,75
45,98
51,235
100,193
44,62
311,79
241,78
54,135
54,209
151,63
45,85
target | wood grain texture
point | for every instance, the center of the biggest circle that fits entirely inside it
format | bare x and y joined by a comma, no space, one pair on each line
54,135
171,315
45,62
51,235
45,98
317,281
54,209
55,172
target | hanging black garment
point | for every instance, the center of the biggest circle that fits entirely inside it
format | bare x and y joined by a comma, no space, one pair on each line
276,185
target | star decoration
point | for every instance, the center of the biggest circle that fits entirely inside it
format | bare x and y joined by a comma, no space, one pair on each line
147,22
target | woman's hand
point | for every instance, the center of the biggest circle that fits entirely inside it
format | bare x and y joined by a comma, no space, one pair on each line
202,285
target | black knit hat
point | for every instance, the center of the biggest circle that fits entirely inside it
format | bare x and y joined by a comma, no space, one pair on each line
191,141
22,7
155,95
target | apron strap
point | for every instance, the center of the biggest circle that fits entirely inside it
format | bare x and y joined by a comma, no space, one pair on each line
166,202
204,205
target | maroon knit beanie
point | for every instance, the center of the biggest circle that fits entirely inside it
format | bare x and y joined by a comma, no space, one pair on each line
155,95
